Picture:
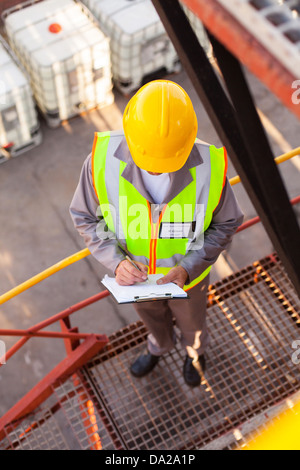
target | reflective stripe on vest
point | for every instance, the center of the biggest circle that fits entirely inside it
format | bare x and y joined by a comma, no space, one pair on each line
130,216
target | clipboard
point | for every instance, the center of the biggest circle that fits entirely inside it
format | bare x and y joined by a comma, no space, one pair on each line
147,291
148,298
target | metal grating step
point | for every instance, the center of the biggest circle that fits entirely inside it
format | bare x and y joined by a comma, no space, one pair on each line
253,318
70,420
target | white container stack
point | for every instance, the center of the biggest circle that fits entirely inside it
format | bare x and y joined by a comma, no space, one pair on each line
140,46
19,126
66,55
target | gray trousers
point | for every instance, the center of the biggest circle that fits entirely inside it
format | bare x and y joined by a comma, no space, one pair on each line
190,319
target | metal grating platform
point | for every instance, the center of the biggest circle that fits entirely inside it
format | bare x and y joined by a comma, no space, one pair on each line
253,317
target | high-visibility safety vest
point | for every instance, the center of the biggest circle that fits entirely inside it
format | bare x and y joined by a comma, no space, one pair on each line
162,242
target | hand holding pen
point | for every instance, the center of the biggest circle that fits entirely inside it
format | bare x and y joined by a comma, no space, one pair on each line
130,272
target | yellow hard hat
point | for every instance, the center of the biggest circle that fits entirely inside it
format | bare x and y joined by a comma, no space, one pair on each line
160,126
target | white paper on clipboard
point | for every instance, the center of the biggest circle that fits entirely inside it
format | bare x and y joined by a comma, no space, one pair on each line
143,291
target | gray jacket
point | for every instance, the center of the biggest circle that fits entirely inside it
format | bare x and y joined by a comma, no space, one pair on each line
85,213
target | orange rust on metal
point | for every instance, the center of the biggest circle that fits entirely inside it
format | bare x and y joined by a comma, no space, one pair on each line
246,48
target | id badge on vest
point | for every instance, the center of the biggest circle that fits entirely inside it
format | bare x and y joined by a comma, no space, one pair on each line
177,230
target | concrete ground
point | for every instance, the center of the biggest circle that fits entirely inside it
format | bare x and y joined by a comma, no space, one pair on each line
36,232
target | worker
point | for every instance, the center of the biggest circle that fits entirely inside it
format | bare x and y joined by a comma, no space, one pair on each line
161,195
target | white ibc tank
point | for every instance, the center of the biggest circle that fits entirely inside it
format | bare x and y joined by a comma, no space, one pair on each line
140,46
66,55
19,126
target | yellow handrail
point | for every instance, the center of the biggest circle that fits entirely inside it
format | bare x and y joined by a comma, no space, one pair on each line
85,252
43,275
278,160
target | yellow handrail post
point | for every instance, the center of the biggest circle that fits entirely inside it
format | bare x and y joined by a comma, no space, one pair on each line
43,275
278,160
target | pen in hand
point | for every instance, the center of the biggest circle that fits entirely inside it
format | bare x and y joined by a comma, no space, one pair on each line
133,263
126,278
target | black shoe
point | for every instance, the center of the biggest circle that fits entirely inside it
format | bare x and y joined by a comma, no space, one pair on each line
144,364
192,370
